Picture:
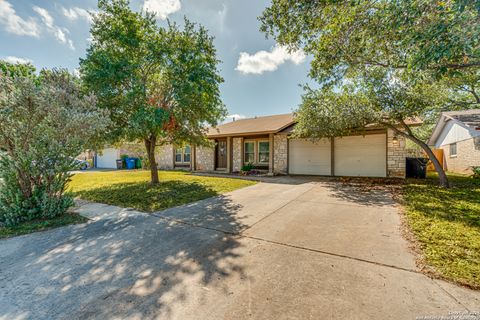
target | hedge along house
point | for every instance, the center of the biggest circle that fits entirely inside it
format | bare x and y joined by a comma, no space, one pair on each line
266,143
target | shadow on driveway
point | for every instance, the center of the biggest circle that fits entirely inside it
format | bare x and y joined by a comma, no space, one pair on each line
137,266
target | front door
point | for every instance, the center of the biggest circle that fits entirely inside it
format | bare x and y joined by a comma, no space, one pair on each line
222,154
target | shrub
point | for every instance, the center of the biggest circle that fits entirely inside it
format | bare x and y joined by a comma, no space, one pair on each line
248,167
476,172
45,122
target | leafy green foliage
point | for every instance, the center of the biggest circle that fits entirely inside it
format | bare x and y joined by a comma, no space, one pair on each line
131,188
476,172
46,122
371,51
248,167
347,36
160,84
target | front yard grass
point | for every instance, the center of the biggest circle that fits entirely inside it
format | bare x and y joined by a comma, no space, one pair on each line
41,225
132,189
446,223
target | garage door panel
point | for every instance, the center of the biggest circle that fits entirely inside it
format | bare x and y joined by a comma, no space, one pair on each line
363,156
108,158
306,157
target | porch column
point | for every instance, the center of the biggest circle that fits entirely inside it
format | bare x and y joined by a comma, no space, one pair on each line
270,152
229,154
242,152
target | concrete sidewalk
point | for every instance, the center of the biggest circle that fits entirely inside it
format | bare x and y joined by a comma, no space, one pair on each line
286,250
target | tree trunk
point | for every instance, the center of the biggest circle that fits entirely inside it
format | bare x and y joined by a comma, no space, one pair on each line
438,167
150,145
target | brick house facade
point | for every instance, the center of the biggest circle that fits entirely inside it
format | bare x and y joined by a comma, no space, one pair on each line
457,133
270,151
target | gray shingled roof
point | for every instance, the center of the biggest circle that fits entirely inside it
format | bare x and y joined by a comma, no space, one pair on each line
469,117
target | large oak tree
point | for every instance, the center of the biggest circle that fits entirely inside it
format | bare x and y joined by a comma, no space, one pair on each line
161,84
372,58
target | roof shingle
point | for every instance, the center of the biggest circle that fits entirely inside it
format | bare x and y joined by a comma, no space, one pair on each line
257,125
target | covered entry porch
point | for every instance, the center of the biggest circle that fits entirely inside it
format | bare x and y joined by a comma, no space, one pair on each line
234,152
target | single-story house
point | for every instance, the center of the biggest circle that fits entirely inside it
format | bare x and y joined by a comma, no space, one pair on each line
458,134
266,143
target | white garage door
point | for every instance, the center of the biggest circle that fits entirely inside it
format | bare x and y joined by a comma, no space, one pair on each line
107,159
306,157
364,156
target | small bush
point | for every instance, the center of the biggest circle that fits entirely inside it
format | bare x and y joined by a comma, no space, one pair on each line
248,167
476,172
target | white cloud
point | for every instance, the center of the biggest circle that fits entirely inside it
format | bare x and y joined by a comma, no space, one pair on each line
76,13
15,60
15,24
59,33
162,8
233,117
263,61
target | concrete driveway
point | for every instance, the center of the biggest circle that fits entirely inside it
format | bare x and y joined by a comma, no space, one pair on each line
288,249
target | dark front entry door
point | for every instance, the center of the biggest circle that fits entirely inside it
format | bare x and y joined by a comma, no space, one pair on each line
222,154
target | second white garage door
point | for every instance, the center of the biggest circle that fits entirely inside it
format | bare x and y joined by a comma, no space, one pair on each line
306,157
363,156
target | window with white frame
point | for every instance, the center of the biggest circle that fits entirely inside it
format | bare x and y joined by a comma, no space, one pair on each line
263,151
249,152
453,149
183,155
256,152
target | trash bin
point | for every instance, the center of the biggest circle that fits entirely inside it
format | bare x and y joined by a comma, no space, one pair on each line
119,164
130,163
138,163
416,168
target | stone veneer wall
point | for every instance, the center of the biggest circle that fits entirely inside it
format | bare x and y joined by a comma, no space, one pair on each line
396,154
164,156
280,154
237,154
468,155
205,159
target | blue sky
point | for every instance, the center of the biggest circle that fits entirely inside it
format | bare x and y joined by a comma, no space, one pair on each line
261,78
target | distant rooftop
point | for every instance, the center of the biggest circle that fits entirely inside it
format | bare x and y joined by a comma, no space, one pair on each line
469,117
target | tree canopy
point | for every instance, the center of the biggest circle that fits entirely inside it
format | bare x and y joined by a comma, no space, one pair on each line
160,84
345,36
381,62
46,121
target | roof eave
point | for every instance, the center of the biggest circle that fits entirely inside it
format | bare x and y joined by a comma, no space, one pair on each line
250,133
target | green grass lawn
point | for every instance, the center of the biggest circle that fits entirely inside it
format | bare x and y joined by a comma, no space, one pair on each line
446,222
41,225
133,189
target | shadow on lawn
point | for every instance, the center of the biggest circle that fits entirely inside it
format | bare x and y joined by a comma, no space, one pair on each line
458,203
146,197
139,267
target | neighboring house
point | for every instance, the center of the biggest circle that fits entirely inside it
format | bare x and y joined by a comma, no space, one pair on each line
458,134
266,143
107,158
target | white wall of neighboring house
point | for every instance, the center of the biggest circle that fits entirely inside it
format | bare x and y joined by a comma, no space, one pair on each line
455,132
466,144
107,159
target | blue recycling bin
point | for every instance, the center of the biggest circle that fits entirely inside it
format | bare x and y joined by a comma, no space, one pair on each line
130,162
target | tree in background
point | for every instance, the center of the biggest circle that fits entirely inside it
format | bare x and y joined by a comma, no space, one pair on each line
382,53
159,84
45,122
